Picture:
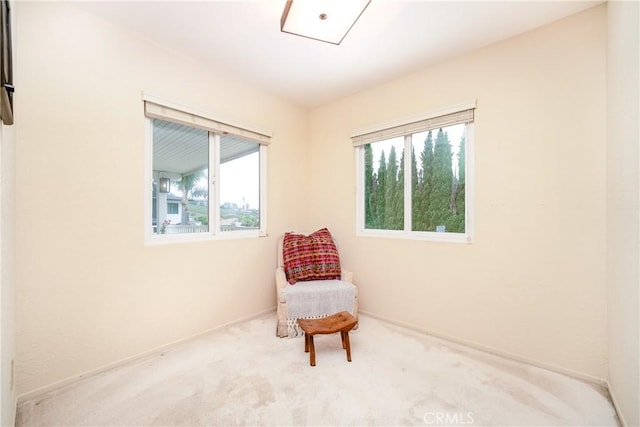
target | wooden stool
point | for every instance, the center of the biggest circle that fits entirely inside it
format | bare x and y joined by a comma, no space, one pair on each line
341,322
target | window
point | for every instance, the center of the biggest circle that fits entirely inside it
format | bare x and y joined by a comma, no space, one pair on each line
206,177
414,178
172,208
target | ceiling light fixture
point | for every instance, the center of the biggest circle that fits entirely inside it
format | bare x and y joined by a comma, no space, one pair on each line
325,20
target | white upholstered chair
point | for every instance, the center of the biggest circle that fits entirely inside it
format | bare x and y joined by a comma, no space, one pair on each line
320,298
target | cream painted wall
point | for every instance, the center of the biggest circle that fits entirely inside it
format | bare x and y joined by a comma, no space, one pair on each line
532,284
623,210
90,293
7,275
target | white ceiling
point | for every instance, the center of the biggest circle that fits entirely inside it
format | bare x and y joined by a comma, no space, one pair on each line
391,38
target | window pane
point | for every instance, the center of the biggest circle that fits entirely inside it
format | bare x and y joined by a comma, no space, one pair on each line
172,208
239,184
438,180
180,154
384,184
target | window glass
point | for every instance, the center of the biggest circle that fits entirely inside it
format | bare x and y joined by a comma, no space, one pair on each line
180,171
384,184
239,184
438,180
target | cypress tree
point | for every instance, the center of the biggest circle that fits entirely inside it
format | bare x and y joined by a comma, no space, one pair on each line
398,198
379,199
421,216
442,182
369,184
459,223
414,172
415,201
391,192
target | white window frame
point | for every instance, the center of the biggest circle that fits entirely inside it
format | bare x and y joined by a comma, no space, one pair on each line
214,232
407,232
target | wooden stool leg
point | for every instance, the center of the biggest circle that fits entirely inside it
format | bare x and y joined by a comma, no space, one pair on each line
306,343
342,334
312,355
348,346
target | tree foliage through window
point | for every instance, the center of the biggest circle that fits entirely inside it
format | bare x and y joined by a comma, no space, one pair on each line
437,178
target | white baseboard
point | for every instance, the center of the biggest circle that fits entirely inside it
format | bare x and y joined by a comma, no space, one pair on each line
612,395
58,384
15,412
487,349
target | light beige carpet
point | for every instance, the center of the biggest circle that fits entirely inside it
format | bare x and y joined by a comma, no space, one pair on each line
244,375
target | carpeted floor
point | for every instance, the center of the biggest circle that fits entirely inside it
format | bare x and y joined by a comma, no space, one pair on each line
244,375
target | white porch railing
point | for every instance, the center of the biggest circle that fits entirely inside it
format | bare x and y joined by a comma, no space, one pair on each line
185,228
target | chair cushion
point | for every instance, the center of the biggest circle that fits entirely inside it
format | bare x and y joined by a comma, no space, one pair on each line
312,257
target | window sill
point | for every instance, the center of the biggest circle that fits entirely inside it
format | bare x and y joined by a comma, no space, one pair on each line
167,239
425,236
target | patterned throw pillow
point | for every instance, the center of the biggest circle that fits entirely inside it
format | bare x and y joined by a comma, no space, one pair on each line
312,257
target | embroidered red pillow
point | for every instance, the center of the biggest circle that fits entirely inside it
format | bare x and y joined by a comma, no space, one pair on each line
312,257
